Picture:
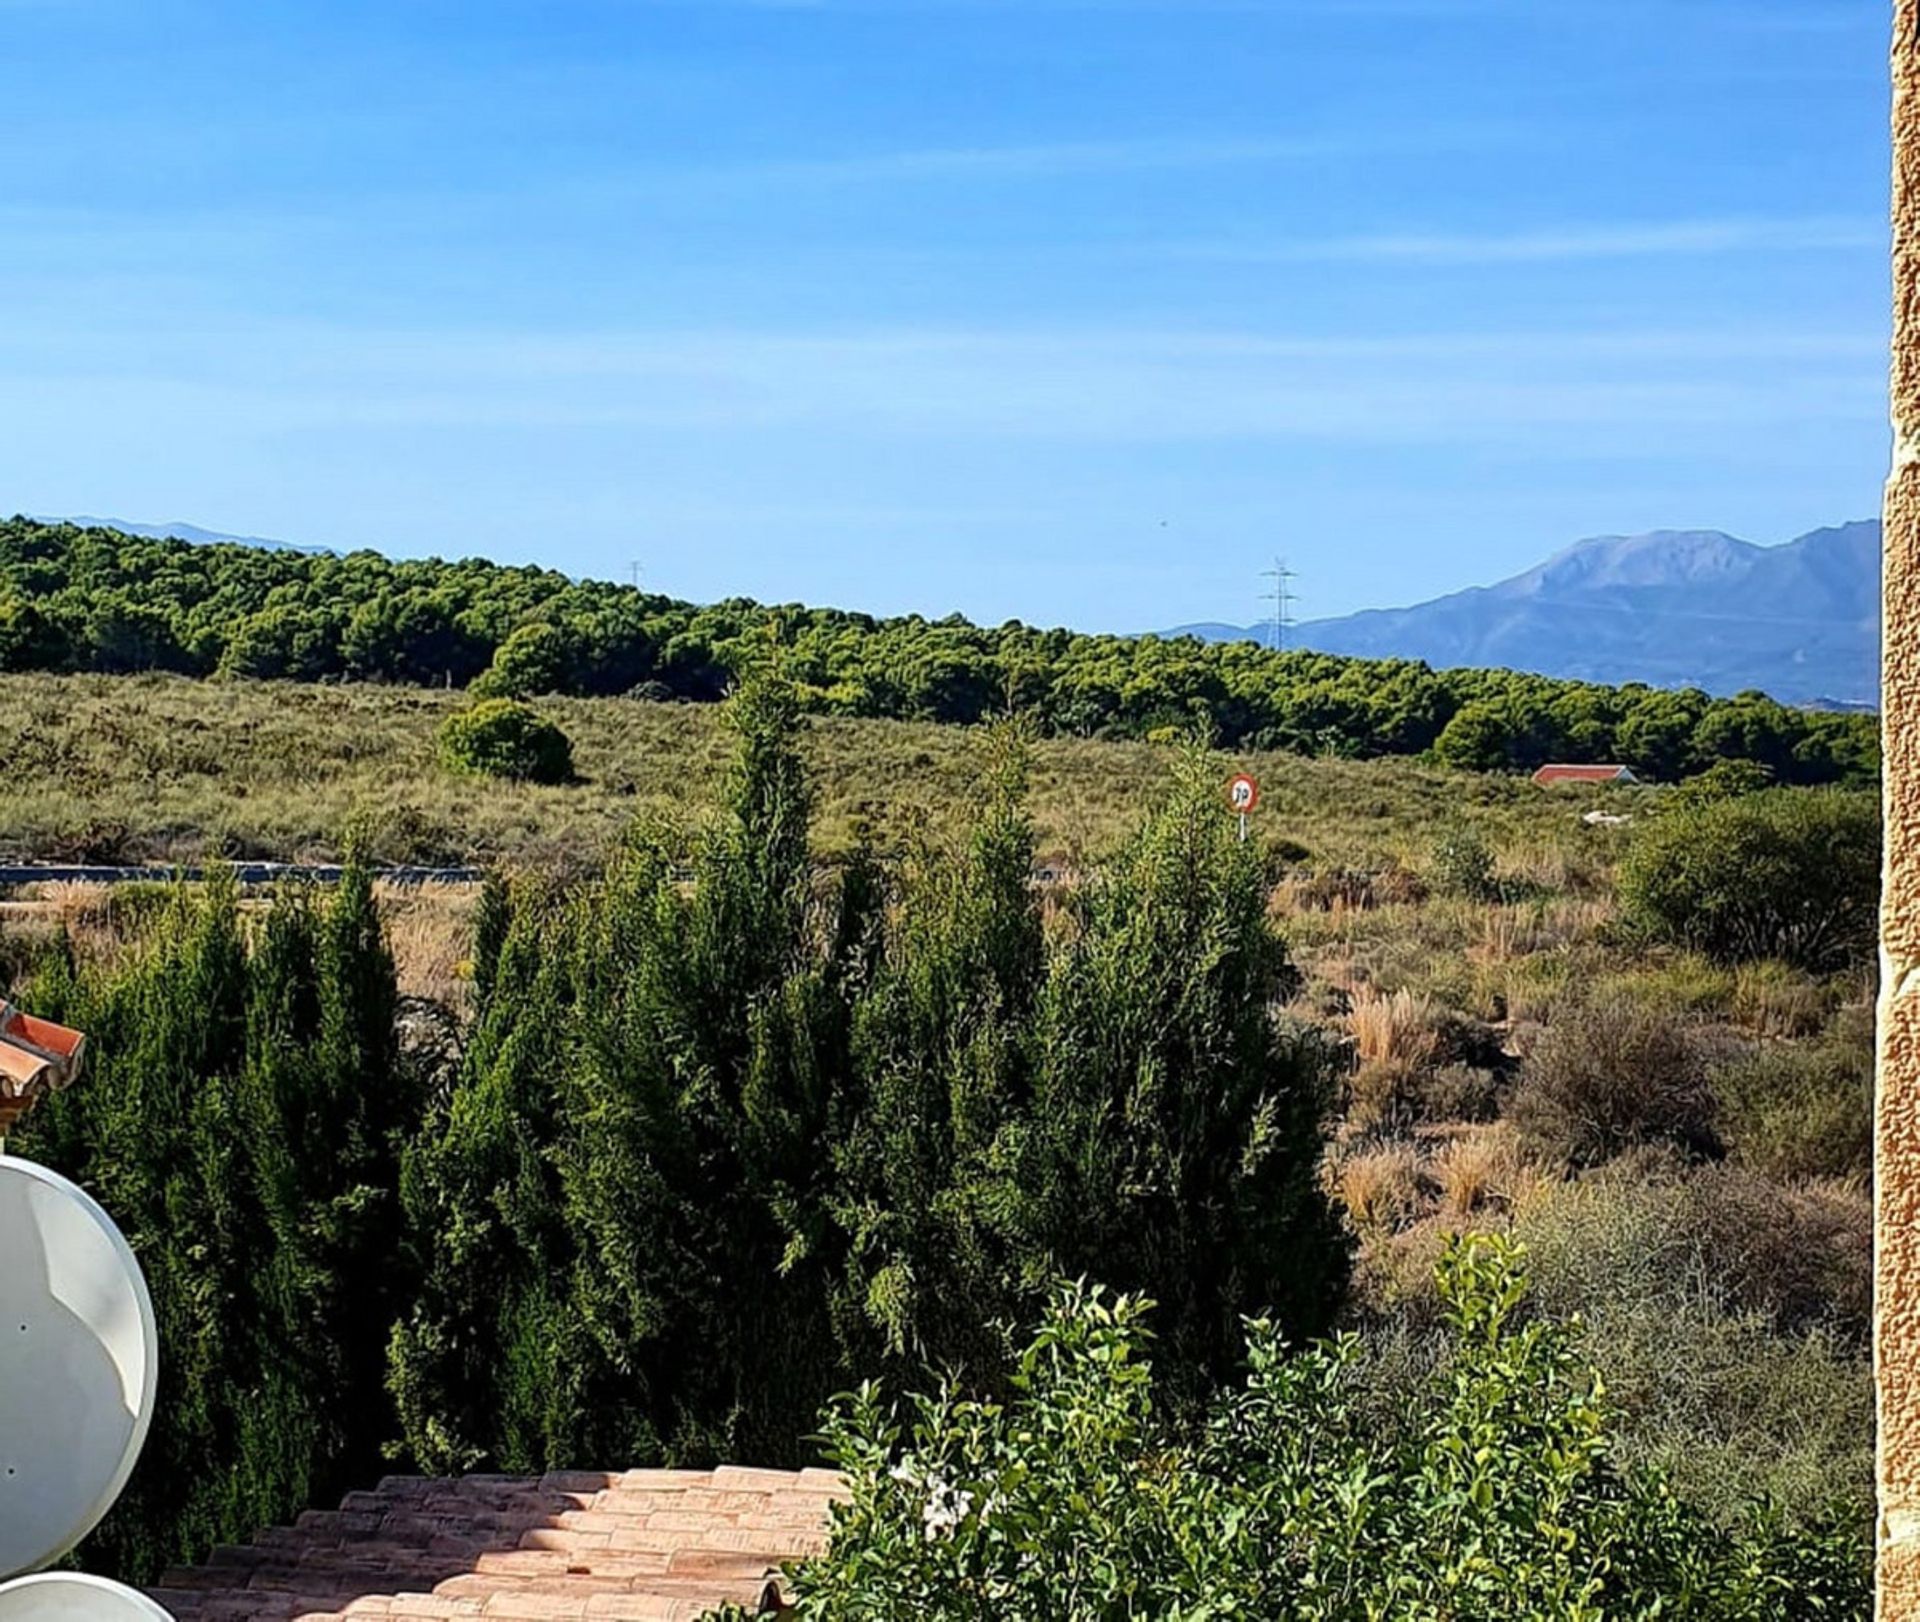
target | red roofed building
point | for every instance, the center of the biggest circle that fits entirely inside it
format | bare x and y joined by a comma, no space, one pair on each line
1548,775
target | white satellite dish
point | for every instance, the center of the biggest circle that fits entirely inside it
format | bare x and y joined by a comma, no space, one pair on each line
72,1596
79,1359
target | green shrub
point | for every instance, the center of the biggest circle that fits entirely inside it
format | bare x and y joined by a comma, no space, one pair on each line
1486,1491
1462,865
1724,780
877,1111
1788,873
1800,1111
1729,1314
533,660
500,737
1611,1075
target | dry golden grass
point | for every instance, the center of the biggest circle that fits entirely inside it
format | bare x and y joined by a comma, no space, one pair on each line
1484,1170
1381,1189
1398,1029
1528,929
163,768
1776,999
430,933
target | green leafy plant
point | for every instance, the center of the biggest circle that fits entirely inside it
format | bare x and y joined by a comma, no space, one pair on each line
1489,1494
1780,873
1462,865
501,737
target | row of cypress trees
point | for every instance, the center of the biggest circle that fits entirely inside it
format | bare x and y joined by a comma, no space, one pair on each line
721,1145
241,1120
729,1132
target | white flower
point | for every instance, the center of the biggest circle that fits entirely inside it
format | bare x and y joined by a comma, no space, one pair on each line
947,1506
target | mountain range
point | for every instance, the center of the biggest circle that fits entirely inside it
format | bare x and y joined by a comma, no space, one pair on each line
172,532
1675,608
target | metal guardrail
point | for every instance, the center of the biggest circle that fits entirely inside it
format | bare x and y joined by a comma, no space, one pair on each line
244,872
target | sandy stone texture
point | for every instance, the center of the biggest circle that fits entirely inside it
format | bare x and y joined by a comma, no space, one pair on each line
1897,1150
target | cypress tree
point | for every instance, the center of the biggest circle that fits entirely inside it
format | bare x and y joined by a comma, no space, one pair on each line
731,1129
239,1121
1175,1126
473,1365
941,1069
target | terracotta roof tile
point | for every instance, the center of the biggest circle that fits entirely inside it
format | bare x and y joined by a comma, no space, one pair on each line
573,1545
1583,774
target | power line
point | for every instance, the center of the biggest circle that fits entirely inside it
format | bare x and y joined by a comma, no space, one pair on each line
1283,597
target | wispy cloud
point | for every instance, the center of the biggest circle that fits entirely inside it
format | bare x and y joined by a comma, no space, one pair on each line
1651,389
1674,238
1065,158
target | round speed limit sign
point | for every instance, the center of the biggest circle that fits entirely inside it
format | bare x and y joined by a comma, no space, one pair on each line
1243,793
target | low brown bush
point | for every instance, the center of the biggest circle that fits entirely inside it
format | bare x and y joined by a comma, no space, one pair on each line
1609,1075
1725,1312
1349,889
1460,1092
1384,1099
1801,1254
1796,1255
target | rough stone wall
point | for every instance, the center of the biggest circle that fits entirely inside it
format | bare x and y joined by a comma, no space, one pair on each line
1897,1136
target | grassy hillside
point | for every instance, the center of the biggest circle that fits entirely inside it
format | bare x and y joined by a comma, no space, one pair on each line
145,768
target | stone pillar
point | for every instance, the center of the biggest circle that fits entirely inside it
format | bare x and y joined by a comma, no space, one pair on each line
1897,1127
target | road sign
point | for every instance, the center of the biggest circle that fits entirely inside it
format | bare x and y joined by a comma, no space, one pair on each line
1243,793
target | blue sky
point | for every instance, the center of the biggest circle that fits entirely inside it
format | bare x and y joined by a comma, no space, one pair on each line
1068,310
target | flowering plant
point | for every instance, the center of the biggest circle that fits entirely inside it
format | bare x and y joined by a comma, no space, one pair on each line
1490,1495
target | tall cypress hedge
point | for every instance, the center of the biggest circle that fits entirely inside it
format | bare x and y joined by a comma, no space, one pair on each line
240,1120
731,1133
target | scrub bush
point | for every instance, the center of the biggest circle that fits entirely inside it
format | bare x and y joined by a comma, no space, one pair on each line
500,737
1786,873
1463,866
1800,1111
1609,1076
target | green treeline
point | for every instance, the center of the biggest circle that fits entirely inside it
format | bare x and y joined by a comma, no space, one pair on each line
97,600
716,1147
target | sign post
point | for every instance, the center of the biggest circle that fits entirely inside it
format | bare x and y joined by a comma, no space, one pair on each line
1243,794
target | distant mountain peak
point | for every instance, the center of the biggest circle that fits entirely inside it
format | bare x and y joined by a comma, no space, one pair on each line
174,530
1663,557
1680,607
